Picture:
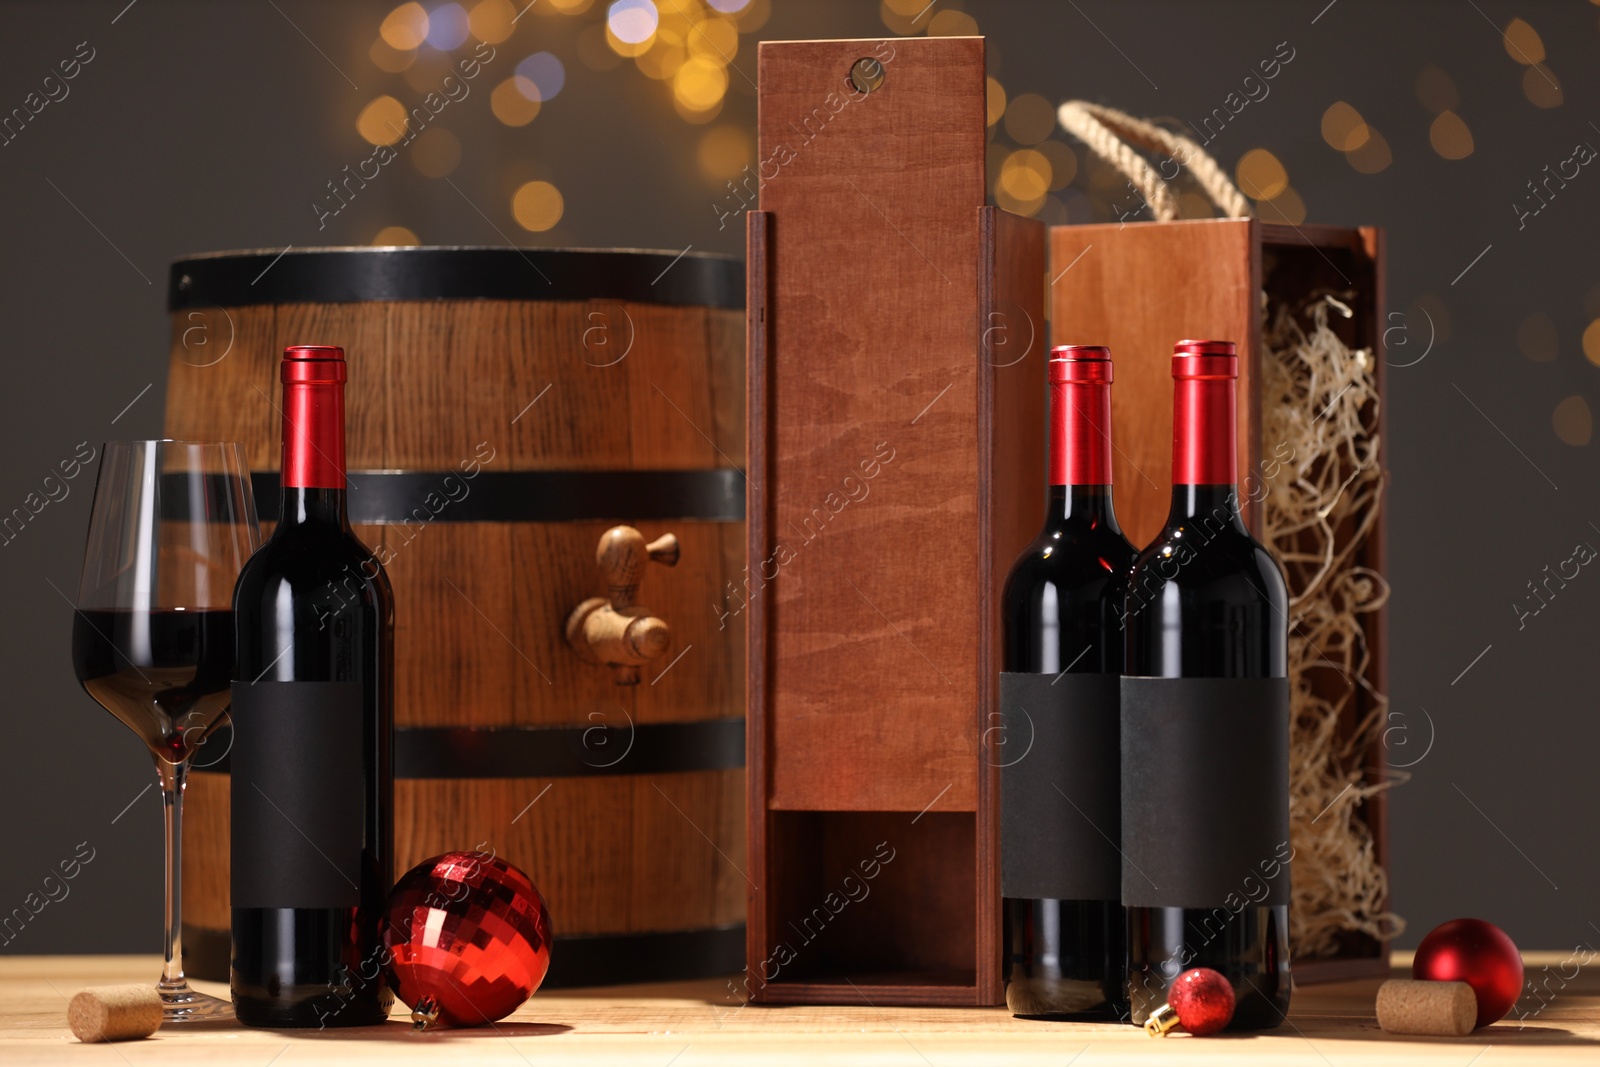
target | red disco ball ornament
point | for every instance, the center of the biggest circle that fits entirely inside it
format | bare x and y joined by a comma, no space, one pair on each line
1479,954
468,938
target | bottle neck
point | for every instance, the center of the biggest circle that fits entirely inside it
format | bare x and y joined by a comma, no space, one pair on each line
1205,450
313,471
1080,454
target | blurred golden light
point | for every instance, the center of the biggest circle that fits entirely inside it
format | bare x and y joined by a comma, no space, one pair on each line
435,152
1538,339
1260,174
633,21
695,117
724,152
1450,137
395,237
1285,207
595,50
406,27
1373,155
388,59
754,15
951,23
1021,207
908,8
728,7
1193,205
995,98
492,20
1030,118
898,23
1436,90
515,101
1591,343
1572,421
383,121
700,84
1540,86
1343,127
1063,163
663,60
716,39
1523,43
570,7
537,206
1025,176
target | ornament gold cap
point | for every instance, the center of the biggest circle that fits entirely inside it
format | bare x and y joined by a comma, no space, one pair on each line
1161,1021
425,1016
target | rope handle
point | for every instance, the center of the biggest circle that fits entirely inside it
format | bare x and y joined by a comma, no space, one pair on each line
1109,134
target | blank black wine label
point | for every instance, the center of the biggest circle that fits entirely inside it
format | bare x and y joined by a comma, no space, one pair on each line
1205,792
298,806
1056,749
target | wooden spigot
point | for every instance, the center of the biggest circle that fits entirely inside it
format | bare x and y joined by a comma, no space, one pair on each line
614,630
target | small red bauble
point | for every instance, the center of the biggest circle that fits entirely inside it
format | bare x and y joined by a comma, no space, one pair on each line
1200,1001
1477,953
468,938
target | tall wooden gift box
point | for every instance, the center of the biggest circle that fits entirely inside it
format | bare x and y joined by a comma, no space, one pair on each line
896,413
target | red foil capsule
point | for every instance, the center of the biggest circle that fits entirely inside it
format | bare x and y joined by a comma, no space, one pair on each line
1080,415
1205,378
313,417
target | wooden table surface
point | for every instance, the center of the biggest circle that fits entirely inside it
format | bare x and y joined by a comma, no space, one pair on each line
684,1024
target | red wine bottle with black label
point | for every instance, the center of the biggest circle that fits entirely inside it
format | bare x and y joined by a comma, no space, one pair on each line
313,723
1205,724
1057,749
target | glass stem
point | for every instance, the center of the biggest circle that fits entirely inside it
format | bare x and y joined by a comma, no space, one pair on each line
172,777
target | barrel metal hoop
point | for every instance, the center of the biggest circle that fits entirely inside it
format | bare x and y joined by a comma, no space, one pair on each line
412,497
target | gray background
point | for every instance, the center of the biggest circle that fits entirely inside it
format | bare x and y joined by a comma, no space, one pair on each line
202,126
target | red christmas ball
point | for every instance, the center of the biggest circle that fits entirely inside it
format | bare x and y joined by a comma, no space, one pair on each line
1477,953
1203,1000
468,938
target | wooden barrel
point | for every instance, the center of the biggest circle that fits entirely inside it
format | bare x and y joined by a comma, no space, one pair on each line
505,408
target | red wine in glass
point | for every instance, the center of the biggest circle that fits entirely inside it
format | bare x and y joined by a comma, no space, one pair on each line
171,525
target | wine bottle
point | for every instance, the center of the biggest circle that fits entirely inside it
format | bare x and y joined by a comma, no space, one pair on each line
313,721
1205,720
1060,871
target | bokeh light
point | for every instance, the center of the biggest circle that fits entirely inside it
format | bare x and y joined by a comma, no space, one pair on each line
1260,175
1343,127
724,152
1287,206
1063,163
492,21
537,206
1573,421
515,101
383,121
1541,87
995,100
700,84
569,7
389,59
716,39
435,153
406,27
1591,342
1373,155
728,7
1538,339
1523,43
1030,118
633,22
1450,137
396,237
544,72
906,24
448,27
952,23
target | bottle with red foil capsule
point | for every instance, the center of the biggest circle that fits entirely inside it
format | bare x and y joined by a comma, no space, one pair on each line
1056,745
313,720
1205,723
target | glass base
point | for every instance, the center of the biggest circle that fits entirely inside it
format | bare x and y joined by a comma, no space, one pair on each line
185,1005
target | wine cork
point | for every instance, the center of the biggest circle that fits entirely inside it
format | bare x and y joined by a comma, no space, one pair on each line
115,1012
1434,1009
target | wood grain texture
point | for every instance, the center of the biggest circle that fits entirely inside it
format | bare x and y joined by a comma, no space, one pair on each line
1137,288
896,407
480,607
695,1024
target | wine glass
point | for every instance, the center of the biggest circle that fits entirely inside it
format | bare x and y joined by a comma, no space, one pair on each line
152,638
